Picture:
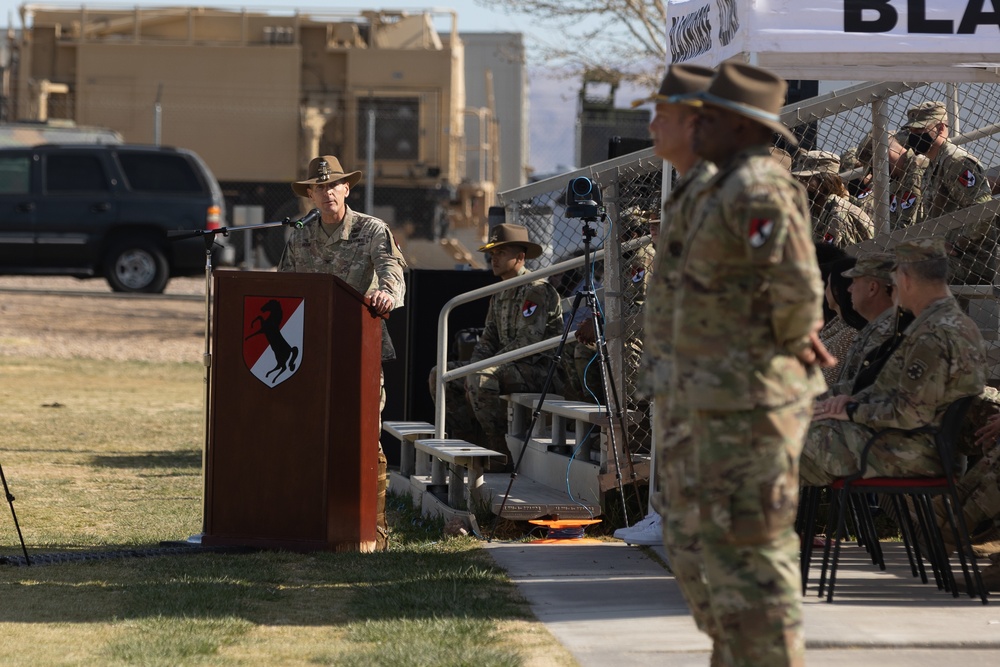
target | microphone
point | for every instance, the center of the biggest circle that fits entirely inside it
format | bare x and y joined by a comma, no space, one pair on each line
306,219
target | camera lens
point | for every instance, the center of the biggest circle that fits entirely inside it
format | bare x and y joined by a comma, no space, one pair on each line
582,186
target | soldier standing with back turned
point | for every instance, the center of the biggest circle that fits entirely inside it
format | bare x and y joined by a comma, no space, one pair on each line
747,359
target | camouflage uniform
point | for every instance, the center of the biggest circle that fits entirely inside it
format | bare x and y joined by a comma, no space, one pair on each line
939,361
906,194
749,295
842,223
362,252
676,471
516,317
953,181
874,334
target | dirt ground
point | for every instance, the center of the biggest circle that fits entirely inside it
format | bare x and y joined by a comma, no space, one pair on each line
67,318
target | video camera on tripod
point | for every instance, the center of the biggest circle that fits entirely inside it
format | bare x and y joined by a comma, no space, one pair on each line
584,199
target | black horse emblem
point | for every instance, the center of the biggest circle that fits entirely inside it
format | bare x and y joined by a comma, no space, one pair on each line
269,325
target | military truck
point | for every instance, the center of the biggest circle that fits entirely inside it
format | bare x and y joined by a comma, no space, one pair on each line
257,94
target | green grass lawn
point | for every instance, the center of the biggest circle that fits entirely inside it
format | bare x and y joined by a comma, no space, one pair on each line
104,457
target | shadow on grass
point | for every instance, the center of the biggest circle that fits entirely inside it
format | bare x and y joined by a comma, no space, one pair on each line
159,459
422,577
268,588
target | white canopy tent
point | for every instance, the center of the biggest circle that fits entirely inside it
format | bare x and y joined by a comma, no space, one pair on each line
843,40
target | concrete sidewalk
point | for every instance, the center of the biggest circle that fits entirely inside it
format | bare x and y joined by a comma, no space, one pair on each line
612,604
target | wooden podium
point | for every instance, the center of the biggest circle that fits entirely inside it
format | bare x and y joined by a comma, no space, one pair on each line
291,456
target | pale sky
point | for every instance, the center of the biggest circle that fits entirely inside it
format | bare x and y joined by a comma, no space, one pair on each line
471,16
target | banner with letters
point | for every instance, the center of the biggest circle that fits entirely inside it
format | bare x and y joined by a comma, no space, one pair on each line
709,31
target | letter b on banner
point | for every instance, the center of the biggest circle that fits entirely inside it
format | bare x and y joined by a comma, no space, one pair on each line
854,19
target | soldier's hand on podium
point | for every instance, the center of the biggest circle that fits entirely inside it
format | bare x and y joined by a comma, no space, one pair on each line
380,301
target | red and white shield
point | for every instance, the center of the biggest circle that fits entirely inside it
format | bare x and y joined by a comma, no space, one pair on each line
272,337
528,308
638,274
760,231
967,178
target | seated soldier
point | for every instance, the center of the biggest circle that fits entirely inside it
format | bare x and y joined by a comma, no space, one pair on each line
517,317
872,297
906,174
939,360
954,180
834,218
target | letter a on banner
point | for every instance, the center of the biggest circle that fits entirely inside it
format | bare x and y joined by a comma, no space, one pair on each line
272,337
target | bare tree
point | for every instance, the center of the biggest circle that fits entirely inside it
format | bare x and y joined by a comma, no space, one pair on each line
624,38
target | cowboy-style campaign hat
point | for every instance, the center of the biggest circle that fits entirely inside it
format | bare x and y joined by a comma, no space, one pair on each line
749,91
324,169
679,80
817,162
511,234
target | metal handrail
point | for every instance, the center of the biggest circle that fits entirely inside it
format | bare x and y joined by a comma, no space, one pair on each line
444,375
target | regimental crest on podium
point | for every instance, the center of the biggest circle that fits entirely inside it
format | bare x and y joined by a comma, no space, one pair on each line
272,337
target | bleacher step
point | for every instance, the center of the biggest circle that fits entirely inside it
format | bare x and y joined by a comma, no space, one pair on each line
531,500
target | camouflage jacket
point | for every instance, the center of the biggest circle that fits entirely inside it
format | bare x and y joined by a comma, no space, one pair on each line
637,267
954,180
874,334
658,326
517,317
842,223
940,360
749,291
361,251
906,192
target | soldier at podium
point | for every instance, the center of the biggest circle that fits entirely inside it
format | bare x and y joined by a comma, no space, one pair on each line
360,250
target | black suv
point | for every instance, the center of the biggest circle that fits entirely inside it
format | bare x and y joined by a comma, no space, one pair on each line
100,210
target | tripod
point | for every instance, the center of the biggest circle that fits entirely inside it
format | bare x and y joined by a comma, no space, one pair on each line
589,295
10,501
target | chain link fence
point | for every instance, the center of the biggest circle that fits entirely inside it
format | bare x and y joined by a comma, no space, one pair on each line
914,160
894,192
631,188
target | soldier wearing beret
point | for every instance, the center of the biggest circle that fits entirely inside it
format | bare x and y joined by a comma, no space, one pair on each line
360,250
954,180
835,219
939,360
747,365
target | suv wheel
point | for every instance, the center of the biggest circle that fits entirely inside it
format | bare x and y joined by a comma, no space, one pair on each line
136,265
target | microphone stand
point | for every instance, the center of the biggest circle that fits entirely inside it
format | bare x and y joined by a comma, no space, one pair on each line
208,236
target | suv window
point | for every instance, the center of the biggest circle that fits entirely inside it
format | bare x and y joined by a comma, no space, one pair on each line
15,175
75,173
159,173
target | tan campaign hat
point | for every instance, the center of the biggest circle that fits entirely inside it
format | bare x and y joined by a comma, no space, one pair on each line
510,234
925,115
749,91
874,265
817,162
782,156
680,80
919,250
324,169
